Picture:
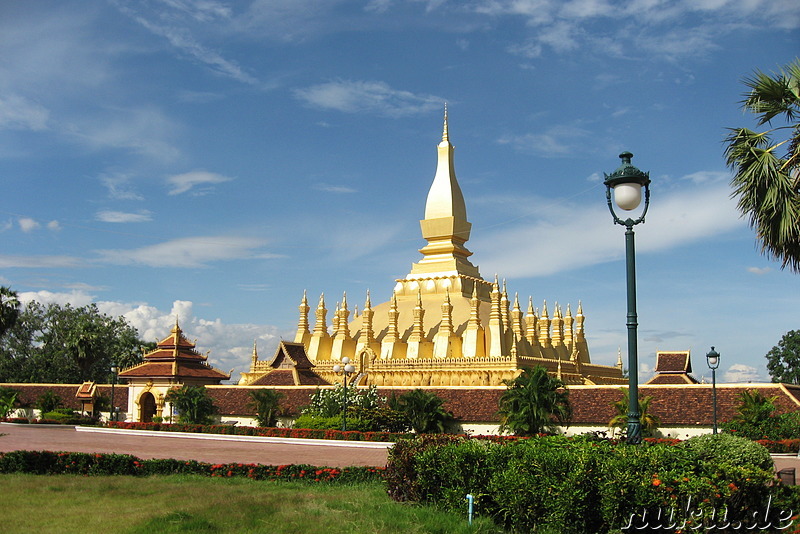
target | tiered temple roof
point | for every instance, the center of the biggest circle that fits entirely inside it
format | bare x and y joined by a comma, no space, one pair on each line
177,359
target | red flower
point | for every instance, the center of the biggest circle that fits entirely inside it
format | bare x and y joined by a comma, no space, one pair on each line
656,482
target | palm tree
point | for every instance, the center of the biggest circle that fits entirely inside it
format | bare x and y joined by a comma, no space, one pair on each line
267,405
754,407
424,411
648,421
767,173
534,402
193,404
9,309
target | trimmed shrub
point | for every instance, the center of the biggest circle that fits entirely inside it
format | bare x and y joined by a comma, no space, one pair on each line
590,485
719,448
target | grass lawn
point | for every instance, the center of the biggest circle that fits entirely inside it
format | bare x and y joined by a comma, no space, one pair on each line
148,505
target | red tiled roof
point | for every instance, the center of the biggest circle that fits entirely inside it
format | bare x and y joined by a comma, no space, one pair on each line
672,378
295,352
673,362
185,369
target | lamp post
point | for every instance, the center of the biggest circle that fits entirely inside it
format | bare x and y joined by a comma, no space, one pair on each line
114,371
345,370
713,362
627,183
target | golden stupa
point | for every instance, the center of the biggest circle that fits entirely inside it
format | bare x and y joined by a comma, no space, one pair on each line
444,324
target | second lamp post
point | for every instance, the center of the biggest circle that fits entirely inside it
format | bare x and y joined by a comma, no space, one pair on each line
346,369
627,183
713,362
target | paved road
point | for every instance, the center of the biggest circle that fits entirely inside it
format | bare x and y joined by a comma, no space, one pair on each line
66,438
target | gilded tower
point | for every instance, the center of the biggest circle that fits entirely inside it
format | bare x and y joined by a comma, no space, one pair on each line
444,324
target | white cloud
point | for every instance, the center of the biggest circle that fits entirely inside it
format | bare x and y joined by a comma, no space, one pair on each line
680,217
759,270
26,224
182,183
556,141
184,41
18,113
328,188
145,131
367,97
54,226
111,216
36,262
187,252
75,298
230,346
739,372
118,186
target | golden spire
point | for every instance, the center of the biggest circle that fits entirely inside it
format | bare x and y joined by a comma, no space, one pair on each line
255,351
445,226
445,134
320,327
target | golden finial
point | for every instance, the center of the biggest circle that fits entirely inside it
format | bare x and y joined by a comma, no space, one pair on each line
445,134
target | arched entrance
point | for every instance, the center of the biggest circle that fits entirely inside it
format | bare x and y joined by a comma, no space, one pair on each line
147,407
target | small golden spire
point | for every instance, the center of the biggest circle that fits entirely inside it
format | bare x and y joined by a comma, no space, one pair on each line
445,134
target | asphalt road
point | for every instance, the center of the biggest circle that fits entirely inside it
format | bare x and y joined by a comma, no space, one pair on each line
197,447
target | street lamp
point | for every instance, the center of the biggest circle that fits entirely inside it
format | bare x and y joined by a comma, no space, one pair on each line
627,183
114,371
345,370
713,362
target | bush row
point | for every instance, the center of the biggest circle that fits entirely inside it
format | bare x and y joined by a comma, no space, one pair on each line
583,485
78,463
307,433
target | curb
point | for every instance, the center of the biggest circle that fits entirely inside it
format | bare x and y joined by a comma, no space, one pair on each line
248,439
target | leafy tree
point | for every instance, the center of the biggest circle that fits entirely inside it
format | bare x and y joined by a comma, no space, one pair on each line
9,309
534,402
783,360
767,170
48,402
266,402
648,421
329,402
193,403
8,400
424,411
63,344
754,408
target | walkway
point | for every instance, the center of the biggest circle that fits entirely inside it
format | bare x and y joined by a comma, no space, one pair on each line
200,447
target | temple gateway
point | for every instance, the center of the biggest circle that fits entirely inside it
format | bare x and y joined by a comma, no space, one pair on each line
445,325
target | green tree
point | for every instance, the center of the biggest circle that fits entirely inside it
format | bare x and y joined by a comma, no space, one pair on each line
63,344
534,402
766,164
783,360
8,400
648,421
194,405
48,402
9,309
424,411
754,408
266,403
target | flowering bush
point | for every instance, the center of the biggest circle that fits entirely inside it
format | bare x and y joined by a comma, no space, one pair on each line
56,463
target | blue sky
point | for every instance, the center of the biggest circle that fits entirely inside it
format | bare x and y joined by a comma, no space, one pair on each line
214,159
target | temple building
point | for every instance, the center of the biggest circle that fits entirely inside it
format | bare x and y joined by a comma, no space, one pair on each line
445,325
174,362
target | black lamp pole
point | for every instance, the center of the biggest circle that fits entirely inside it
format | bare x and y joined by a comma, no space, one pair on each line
713,363
114,371
627,182
346,369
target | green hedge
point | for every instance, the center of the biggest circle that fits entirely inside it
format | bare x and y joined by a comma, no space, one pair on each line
582,485
78,463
